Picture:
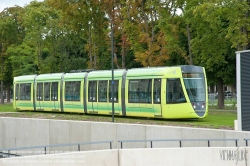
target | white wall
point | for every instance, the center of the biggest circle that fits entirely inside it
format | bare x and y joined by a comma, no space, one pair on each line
216,156
90,158
19,132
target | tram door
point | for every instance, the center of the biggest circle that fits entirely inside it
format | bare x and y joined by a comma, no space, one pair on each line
47,96
16,92
92,97
55,105
133,105
145,97
140,98
116,97
102,96
157,97
39,97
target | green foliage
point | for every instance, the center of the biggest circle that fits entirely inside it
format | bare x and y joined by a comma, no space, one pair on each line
22,60
131,63
11,33
238,17
210,45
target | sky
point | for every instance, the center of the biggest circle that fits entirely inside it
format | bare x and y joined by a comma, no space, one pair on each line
12,3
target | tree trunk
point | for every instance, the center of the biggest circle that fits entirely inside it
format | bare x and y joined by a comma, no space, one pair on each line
95,57
2,93
116,60
189,46
220,94
90,50
114,52
212,88
8,94
123,51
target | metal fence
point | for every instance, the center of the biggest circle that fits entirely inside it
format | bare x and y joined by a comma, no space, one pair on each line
230,99
7,152
178,140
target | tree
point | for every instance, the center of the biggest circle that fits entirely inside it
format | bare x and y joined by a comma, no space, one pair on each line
11,33
146,37
36,16
8,79
22,58
87,19
211,46
238,18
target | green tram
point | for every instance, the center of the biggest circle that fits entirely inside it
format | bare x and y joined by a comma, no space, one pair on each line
164,92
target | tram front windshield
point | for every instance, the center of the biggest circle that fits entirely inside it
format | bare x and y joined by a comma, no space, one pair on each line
195,87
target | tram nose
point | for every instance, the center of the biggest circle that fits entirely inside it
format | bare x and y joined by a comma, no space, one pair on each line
199,108
199,105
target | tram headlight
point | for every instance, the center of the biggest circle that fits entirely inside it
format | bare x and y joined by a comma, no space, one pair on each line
198,105
194,106
203,105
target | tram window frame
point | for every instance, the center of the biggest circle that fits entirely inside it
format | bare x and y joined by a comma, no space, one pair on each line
140,91
116,87
102,91
157,91
175,93
54,91
25,91
39,91
92,91
17,92
72,90
46,91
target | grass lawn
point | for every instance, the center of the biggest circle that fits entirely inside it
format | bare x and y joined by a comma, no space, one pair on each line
216,119
219,119
7,107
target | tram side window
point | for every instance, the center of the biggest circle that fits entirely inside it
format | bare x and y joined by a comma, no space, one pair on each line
102,91
174,91
157,91
133,91
72,90
116,84
145,91
54,91
25,91
39,91
140,91
17,92
92,91
46,91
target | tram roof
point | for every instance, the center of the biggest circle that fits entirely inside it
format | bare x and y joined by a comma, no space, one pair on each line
75,75
150,71
49,77
106,73
25,78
